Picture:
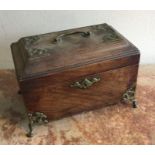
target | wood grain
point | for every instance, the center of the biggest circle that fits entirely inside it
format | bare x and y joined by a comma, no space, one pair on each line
57,99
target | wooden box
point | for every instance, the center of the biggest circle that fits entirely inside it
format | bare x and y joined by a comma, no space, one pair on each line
67,72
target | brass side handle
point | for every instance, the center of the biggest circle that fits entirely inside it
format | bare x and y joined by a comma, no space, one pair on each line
85,83
60,37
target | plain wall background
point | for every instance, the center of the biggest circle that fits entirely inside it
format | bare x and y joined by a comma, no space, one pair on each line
137,26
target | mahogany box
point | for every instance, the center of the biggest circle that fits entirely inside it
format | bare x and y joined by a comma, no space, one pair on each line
67,72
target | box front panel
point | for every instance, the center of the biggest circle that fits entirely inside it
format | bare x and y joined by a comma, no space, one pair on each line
72,96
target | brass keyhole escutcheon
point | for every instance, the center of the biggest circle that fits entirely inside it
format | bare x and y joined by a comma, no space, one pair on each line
85,83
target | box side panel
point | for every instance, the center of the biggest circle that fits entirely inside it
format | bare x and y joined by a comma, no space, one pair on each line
58,99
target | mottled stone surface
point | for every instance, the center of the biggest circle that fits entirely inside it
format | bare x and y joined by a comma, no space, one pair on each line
118,124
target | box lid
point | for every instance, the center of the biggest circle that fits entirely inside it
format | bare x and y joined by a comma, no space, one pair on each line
58,51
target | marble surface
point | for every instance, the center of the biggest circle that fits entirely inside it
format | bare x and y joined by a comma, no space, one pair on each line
118,124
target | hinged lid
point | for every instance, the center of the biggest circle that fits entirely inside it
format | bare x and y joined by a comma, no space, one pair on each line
63,50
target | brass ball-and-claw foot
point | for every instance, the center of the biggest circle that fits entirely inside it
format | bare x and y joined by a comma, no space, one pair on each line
134,104
35,118
129,96
29,135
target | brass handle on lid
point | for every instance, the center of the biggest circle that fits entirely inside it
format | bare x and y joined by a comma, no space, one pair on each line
85,83
61,36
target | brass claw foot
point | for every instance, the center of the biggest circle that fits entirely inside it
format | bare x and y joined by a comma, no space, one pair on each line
29,134
134,104
35,118
129,96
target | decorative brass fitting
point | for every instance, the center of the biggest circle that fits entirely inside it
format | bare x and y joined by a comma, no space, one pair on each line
129,96
35,118
85,83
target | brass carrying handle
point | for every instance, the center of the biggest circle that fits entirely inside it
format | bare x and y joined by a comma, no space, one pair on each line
61,36
85,83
